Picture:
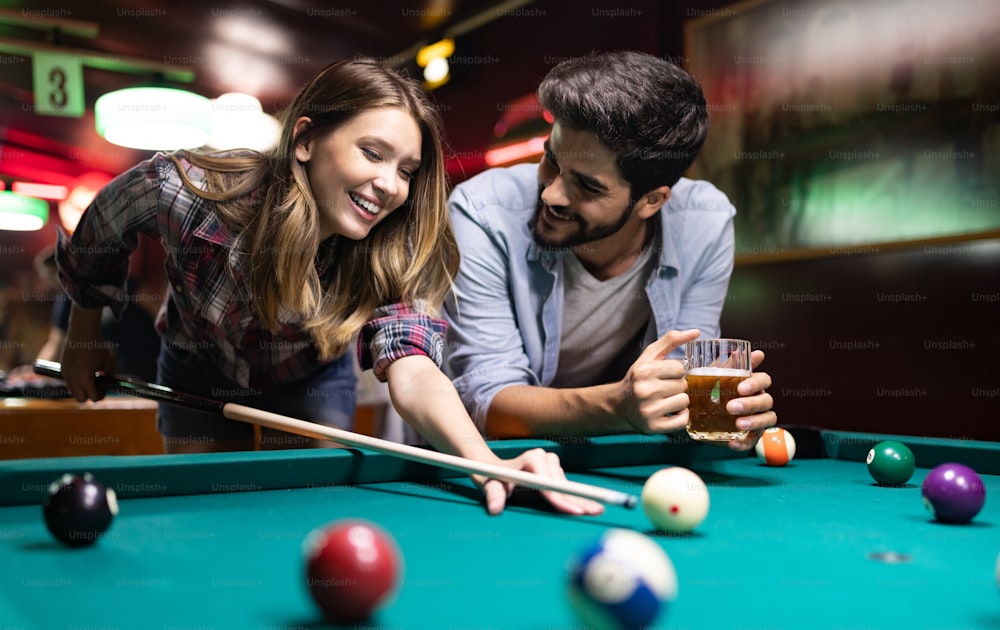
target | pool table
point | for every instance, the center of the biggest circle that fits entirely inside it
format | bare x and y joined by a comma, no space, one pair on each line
214,541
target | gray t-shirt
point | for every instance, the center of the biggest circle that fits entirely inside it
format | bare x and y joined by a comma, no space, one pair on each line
603,323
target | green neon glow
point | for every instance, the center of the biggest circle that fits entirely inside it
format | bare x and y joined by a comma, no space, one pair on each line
21,213
154,118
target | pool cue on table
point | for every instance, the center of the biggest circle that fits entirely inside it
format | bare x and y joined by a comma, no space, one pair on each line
249,415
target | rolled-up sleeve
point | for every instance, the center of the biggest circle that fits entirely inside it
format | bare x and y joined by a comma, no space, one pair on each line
400,330
93,263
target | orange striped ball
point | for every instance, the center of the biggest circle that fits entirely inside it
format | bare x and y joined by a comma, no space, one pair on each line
776,447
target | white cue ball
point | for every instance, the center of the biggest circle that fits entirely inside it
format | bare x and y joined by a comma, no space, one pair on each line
675,499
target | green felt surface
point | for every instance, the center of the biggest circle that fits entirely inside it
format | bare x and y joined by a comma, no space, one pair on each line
781,548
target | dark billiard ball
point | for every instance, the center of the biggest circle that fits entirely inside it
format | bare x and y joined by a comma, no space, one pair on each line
79,509
953,493
353,568
891,463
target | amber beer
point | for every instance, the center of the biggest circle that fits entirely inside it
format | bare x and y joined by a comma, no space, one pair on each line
714,367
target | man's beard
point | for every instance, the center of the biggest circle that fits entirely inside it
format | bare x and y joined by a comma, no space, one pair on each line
585,232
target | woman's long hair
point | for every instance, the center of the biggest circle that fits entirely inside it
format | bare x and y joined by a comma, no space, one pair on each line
266,198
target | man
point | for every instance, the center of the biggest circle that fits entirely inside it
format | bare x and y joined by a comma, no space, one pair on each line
580,276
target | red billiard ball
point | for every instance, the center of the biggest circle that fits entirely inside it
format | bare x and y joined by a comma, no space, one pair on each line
79,509
353,568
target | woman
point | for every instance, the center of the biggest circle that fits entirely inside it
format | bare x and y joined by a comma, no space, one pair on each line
278,261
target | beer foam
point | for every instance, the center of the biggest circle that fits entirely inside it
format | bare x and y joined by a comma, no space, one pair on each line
717,371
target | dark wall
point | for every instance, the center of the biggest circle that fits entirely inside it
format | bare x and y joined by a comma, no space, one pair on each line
904,342
507,58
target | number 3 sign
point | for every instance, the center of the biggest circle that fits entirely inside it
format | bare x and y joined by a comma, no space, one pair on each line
58,81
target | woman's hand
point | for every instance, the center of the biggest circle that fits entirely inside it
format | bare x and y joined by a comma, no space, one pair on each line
539,462
84,354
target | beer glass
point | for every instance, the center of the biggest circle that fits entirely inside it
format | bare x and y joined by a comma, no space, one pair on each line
713,369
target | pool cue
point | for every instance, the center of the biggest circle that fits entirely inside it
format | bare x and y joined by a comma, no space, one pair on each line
249,415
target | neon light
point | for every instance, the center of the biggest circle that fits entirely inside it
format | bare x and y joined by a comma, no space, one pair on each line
21,213
517,151
42,191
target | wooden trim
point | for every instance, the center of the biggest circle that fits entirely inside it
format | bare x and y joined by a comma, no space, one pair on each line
39,427
860,249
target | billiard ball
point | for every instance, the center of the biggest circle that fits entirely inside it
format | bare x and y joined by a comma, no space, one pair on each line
953,493
891,463
776,447
79,509
675,499
353,568
624,580
998,570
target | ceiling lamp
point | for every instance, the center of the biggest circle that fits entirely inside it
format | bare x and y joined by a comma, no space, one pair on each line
154,118
238,122
434,60
22,213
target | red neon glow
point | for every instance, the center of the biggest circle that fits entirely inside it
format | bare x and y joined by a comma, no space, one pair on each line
516,151
83,192
42,191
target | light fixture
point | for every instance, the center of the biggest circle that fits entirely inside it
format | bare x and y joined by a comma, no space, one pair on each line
154,118
434,60
238,122
21,213
516,152
42,191
437,70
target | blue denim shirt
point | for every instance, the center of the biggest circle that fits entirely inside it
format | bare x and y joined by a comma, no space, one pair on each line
505,316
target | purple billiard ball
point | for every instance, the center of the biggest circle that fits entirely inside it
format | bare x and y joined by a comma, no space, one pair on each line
953,493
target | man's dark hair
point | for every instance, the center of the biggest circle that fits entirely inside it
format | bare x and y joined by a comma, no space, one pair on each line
648,111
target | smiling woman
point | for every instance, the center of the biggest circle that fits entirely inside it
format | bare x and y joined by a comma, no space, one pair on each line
262,295
361,172
278,261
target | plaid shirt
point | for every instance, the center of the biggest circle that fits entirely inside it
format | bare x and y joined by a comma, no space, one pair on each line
208,310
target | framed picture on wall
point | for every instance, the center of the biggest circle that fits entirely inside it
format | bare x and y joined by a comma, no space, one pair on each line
839,125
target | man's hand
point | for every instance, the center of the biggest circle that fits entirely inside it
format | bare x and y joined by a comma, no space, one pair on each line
655,399
753,407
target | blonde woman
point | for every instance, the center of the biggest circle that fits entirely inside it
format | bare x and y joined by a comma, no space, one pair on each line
278,261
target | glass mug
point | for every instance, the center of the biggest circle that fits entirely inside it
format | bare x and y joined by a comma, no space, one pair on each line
713,368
